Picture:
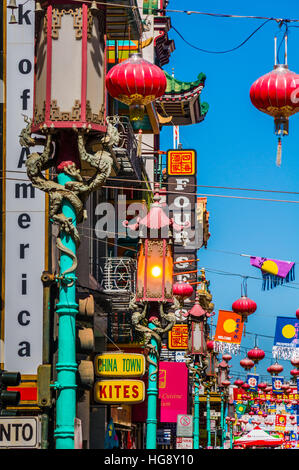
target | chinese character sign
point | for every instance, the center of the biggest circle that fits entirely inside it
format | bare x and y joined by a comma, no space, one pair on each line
286,337
253,380
229,327
181,162
178,337
277,383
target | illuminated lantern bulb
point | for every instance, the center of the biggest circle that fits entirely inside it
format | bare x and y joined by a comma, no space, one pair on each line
156,271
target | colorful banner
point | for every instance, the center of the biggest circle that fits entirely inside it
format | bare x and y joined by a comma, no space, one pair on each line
229,331
240,409
173,390
286,337
277,383
275,272
280,422
253,380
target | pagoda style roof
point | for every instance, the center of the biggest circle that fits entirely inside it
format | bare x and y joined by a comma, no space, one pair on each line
181,101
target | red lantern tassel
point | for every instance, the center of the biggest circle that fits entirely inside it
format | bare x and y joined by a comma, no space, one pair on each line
278,153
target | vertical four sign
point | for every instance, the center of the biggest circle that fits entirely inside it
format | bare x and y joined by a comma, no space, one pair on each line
24,237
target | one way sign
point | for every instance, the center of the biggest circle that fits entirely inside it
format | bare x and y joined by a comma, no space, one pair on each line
21,432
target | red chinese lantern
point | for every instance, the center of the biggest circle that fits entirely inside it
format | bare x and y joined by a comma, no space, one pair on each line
210,345
295,372
275,94
245,386
295,362
226,357
297,313
262,386
136,82
225,383
256,354
244,307
238,382
247,364
182,290
275,369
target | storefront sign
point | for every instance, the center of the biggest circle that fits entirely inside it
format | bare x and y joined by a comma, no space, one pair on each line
119,391
173,390
119,365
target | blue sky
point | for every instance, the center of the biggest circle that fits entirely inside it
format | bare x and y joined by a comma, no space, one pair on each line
236,147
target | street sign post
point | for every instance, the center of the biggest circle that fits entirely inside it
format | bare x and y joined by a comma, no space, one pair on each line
184,426
20,432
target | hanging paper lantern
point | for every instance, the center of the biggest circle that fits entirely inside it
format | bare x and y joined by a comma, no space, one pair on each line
275,94
226,357
295,372
182,290
295,361
225,383
275,369
262,386
247,364
245,386
136,82
210,345
256,354
244,307
238,382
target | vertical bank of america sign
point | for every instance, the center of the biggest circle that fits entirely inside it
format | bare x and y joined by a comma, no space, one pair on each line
23,248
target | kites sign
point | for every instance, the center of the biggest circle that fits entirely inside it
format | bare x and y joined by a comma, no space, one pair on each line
229,331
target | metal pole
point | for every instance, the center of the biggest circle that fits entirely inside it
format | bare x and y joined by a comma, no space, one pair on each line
152,394
231,435
222,421
196,414
208,419
66,367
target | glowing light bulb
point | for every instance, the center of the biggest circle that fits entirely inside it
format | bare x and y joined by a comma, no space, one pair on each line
156,271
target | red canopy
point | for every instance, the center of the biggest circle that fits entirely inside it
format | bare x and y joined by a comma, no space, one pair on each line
258,438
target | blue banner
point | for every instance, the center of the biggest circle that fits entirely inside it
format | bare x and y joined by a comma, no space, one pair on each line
252,380
286,332
277,383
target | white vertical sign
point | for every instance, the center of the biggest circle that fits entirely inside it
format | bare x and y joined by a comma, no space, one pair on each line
24,206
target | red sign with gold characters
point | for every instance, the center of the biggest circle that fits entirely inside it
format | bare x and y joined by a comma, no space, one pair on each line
181,162
178,337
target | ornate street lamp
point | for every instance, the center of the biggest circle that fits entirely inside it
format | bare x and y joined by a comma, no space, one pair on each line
154,305
69,114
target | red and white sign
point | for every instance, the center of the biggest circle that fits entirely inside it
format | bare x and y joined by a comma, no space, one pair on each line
184,443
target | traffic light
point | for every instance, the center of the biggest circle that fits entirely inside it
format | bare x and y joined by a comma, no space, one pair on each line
9,397
85,343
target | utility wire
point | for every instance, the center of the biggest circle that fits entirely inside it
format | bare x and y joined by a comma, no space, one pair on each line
225,51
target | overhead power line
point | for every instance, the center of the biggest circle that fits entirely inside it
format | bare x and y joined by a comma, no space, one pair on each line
225,51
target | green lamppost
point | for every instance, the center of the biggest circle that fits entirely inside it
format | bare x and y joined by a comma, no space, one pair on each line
155,300
69,113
